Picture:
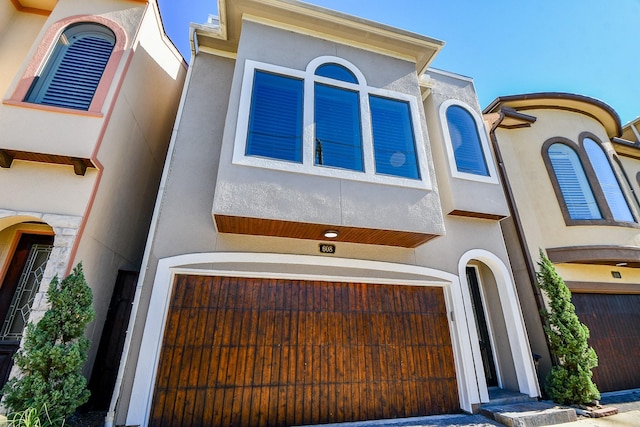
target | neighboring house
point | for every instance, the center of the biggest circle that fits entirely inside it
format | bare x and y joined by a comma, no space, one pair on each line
326,242
573,185
90,92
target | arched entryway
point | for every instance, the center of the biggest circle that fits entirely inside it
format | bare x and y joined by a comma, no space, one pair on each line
501,353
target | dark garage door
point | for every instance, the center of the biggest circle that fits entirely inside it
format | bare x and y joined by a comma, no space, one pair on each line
614,324
258,352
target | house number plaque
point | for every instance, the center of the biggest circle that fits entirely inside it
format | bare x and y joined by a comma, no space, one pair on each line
327,249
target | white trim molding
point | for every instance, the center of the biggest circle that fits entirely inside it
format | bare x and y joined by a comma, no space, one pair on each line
516,330
484,142
307,165
258,265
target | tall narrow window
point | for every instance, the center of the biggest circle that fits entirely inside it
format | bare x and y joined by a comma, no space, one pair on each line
338,139
467,146
608,181
338,136
394,144
275,119
72,74
574,186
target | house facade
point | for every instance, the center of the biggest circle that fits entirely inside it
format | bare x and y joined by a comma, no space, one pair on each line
326,243
89,96
571,175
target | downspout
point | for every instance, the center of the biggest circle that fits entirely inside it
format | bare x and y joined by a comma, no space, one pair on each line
110,417
528,260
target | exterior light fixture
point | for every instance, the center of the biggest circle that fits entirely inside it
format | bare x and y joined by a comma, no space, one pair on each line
621,264
331,234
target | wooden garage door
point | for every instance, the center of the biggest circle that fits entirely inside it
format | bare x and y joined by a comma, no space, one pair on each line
614,324
258,352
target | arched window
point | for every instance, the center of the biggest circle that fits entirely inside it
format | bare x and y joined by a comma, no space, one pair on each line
72,73
572,180
608,181
466,142
338,139
326,120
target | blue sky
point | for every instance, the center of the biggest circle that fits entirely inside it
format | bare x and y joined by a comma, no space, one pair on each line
588,47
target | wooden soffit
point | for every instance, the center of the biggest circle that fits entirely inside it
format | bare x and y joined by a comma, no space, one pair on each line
80,165
307,231
621,256
314,20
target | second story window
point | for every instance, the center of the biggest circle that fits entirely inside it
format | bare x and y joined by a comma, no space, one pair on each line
586,183
327,121
466,143
73,71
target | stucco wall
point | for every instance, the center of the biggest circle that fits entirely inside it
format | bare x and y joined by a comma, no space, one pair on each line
274,194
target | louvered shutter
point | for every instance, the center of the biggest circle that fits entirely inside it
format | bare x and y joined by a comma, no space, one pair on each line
467,147
73,72
393,138
608,181
275,118
574,186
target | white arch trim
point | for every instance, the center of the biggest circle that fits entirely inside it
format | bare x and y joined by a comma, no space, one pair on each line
484,142
516,331
168,268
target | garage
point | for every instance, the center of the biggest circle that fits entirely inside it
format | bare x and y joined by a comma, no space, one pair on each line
613,321
258,352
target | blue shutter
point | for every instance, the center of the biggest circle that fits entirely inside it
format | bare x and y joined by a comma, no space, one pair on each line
393,138
73,73
338,136
574,186
467,147
275,118
608,181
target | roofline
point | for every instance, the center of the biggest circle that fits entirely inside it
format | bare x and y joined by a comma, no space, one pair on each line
497,103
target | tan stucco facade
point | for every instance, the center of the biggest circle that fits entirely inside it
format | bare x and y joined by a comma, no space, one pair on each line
100,218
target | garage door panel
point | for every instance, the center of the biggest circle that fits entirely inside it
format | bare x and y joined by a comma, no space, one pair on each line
614,334
271,352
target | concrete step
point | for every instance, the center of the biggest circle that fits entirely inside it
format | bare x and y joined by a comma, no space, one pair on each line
528,414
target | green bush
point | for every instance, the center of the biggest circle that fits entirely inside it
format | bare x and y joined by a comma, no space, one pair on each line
53,354
569,382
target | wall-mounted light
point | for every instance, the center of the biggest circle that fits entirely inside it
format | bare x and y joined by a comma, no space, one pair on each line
621,264
331,234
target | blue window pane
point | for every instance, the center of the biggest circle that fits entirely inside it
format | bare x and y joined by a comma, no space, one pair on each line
338,136
393,139
467,147
574,186
275,118
337,72
608,181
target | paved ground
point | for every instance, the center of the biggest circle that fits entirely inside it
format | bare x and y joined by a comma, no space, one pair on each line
628,404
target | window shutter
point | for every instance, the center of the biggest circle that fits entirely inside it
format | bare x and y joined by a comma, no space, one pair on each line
608,181
275,118
467,147
574,186
393,139
338,136
73,73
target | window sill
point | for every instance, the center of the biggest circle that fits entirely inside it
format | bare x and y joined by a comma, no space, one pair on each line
329,172
52,109
600,223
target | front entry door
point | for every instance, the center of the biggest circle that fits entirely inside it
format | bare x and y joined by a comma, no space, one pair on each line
18,290
483,331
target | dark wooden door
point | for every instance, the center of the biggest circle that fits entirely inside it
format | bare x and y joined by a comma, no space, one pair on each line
23,276
105,368
260,352
488,362
614,325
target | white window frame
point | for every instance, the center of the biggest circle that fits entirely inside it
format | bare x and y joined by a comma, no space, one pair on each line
484,143
307,166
